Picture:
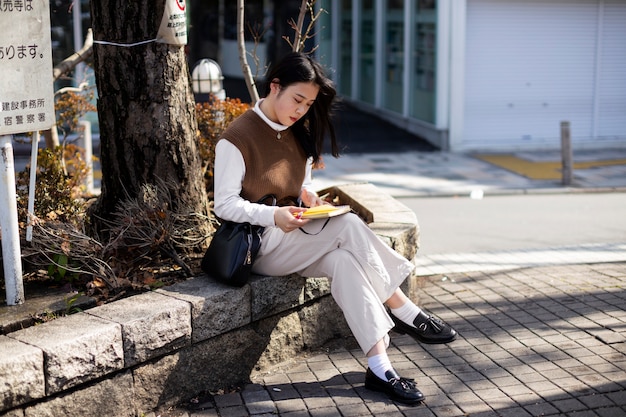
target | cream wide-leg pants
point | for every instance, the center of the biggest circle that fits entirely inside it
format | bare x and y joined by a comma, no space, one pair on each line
364,271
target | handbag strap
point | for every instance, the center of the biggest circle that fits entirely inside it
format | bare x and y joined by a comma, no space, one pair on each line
267,196
320,231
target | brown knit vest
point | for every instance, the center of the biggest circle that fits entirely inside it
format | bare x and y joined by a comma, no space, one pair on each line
273,166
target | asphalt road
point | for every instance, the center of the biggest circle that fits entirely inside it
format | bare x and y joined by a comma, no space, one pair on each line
514,222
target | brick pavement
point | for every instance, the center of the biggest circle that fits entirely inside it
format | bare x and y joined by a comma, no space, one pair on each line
534,341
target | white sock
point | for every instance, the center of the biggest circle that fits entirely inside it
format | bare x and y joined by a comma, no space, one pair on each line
379,364
407,312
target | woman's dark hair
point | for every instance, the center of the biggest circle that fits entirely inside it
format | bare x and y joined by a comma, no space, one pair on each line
311,129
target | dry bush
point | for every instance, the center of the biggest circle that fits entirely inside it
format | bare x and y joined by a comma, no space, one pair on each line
213,117
145,230
59,187
151,245
71,106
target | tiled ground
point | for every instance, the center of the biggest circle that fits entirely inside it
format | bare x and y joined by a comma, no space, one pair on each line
542,332
534,341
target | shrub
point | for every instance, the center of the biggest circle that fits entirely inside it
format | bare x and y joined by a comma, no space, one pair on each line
58,191
70,106
152,244
213,117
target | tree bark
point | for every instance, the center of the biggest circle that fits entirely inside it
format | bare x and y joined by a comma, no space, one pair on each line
145,108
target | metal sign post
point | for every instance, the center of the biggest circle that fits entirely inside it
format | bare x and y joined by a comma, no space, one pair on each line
11,254
26,105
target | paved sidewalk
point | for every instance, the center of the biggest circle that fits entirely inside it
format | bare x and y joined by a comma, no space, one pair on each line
542,332
537,341
424,174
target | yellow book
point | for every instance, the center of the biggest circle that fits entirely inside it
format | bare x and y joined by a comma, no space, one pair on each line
325,210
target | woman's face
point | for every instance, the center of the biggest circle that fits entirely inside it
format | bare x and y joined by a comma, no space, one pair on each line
292,102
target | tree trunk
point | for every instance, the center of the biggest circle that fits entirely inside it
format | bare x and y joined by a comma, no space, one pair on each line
145,108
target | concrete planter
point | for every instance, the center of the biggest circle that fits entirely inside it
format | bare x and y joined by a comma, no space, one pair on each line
160,348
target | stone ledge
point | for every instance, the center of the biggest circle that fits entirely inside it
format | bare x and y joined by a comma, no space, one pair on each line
160,348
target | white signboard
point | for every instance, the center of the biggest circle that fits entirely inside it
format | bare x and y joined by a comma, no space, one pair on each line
26,90
173,29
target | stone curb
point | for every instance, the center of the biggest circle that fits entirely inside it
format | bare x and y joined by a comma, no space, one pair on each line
159,348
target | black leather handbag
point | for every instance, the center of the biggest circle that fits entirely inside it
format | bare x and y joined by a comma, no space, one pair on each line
232,251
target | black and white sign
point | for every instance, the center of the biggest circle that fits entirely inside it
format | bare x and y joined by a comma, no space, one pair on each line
173,29
26,83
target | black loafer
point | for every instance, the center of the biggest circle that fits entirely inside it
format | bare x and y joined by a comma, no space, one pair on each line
428,329
397,388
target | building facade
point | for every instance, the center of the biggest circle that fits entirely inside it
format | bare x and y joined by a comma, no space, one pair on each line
476,75
466,75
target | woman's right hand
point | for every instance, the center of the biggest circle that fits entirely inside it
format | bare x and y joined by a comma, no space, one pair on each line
287,218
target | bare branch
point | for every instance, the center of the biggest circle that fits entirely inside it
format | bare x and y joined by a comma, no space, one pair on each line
76,58
52,136
257,36
243,59
301,35
297,47
55,237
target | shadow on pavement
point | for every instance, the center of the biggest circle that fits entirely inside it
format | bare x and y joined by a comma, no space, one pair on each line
360,132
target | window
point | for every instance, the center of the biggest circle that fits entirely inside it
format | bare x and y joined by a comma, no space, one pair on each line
367,53
422,105
394,55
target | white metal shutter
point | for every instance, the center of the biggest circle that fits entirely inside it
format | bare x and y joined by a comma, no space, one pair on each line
611,102
531,64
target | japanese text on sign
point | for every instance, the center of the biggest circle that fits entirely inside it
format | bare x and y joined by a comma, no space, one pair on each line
9,6
29,112
19,52
26,85
173,29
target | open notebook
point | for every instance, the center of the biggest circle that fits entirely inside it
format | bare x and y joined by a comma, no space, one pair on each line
323,211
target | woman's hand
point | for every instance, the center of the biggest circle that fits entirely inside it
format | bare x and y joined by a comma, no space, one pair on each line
288,219
311,199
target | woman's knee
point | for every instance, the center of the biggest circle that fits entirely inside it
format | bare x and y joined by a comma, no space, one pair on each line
347,271
342,259
350,227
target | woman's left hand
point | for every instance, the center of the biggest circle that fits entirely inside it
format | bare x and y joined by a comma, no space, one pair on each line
310,199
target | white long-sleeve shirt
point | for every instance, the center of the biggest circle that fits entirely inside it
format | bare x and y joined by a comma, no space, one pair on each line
229,171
